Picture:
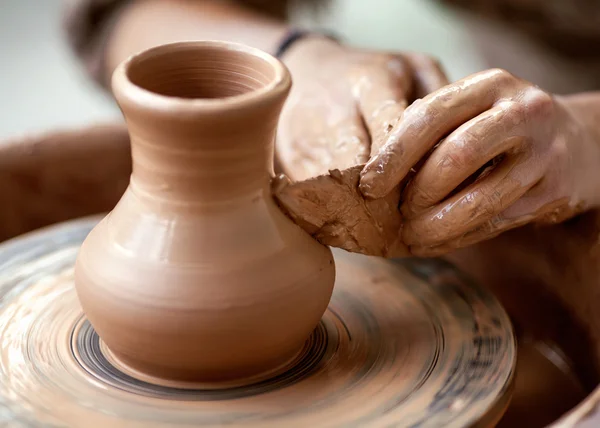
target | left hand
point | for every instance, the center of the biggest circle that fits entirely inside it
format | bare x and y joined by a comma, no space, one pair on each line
490,153
343,103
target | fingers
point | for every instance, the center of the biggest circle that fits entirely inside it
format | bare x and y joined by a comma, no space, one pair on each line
381,91
479,203
463,153
541,202
425,122
547,202
427,73
489,230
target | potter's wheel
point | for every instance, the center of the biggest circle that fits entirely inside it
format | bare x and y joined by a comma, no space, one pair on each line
402,344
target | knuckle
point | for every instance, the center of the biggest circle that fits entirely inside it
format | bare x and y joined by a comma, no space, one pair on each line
394,64
421,197
487,230
464,150
515,113
454,160
539,102
491,202
501,76
494,224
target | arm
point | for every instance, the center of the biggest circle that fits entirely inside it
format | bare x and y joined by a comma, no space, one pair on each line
586,107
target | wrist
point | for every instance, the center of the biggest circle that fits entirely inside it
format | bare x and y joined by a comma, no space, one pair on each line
306,47
585,108
584,111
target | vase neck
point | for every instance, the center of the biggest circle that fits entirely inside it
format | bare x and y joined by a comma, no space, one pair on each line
207,162
202,118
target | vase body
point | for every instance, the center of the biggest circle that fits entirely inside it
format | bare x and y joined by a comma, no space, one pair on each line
196,274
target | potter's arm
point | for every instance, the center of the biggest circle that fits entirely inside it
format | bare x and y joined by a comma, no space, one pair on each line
586,106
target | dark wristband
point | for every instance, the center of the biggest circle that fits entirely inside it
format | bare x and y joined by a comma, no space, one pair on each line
296,35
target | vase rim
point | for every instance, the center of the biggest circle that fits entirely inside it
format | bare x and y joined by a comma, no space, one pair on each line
124,88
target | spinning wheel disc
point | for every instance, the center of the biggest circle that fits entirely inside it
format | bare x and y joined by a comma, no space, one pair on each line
402,344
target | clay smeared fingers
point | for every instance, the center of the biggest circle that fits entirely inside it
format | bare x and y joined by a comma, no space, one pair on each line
474,206
535,204
381,94
489,230
426,122
462,154
545,203
332,210
428,74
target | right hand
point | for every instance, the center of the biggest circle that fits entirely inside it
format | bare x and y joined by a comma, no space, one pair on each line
344,102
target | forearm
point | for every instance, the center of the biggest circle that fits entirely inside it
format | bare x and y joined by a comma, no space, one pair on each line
586,108
147,23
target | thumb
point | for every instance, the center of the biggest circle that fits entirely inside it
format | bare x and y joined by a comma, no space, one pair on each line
381,91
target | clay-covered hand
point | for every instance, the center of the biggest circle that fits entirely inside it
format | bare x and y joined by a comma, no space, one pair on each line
344,102
489,153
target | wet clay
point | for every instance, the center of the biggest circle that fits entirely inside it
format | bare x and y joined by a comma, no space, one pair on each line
401,344
332,209
196,274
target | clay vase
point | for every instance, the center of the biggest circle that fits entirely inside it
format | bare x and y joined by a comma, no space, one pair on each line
196,274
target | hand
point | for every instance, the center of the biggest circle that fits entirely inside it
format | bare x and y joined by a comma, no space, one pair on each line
491,152
344,102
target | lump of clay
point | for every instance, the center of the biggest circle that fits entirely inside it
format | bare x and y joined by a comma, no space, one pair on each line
332,209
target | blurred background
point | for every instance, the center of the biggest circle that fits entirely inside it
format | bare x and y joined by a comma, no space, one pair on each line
552,44
42,86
